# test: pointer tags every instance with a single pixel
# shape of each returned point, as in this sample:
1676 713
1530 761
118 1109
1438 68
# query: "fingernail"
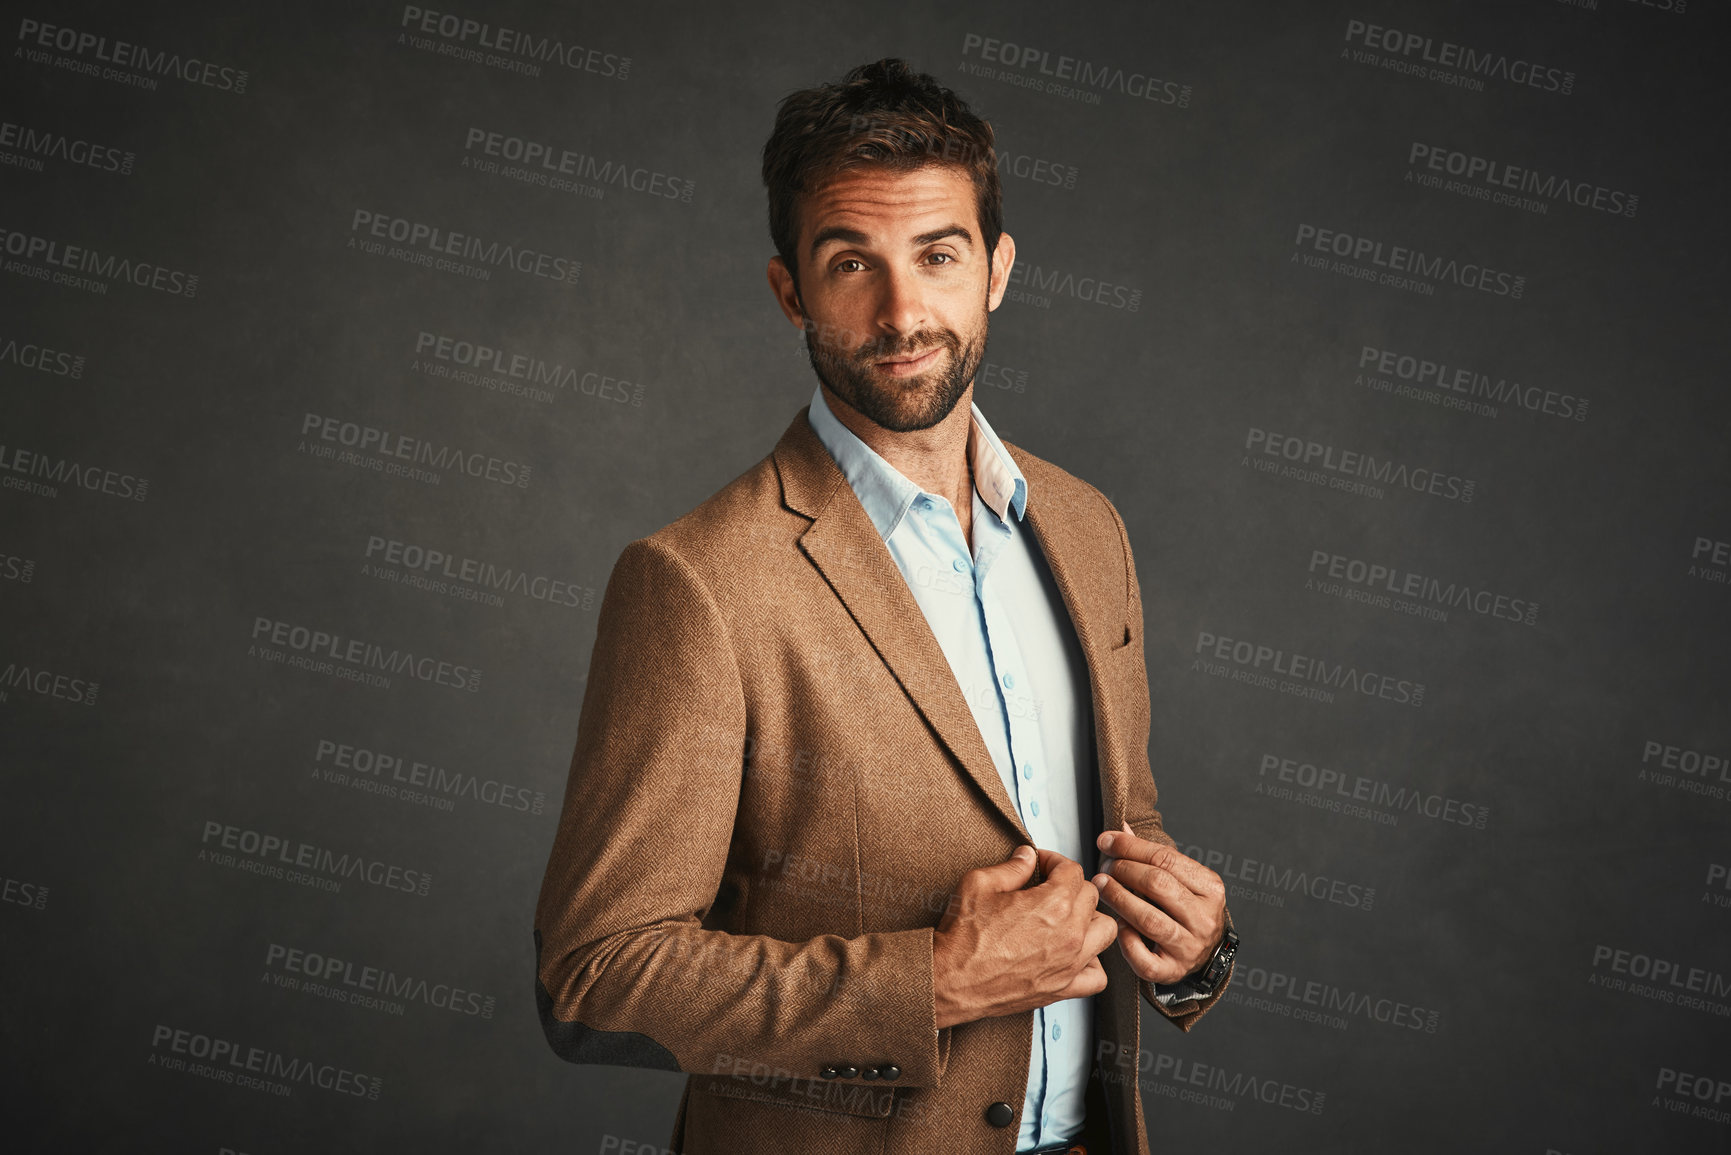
1104 842
1024 852
1100 881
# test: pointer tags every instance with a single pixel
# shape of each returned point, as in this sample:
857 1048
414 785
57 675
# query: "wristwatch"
1208 976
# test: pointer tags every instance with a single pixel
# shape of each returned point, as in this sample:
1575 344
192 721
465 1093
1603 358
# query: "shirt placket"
1030 777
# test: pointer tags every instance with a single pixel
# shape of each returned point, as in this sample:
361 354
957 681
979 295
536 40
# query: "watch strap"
1205 979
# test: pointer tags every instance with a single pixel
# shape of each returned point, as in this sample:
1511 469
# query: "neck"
935 459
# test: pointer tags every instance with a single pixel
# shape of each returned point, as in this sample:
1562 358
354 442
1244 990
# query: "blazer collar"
845 546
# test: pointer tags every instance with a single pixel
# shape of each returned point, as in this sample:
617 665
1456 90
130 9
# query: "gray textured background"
114 926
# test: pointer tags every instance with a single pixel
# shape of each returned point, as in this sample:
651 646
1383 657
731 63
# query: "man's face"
894 290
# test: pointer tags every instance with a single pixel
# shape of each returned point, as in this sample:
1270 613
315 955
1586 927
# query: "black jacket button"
869 1073
1000 1115
829 1072
891 1071
849 1072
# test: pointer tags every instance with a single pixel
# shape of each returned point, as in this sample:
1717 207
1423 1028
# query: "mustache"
914 345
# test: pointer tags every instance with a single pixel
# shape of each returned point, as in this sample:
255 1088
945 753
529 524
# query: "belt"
1076 1147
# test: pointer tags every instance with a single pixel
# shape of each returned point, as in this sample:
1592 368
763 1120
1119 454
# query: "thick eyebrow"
855 237
940 234
836 233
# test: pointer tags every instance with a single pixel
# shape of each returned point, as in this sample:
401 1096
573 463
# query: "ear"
1003 258
786 292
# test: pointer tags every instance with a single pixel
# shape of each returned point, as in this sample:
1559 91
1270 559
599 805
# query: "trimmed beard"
901 405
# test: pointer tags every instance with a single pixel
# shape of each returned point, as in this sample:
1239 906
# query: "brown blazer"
777 784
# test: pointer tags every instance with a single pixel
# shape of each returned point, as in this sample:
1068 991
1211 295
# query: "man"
853 725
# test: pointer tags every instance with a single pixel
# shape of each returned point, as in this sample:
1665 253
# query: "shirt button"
926 503
1028 770
1035 805
1009 681
959 566
1057 1032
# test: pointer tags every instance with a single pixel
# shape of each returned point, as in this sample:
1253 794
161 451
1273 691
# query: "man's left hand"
1161 896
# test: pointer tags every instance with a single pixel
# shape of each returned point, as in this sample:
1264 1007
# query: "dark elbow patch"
576 1043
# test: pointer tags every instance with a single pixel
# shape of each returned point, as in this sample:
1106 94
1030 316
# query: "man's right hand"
1001 949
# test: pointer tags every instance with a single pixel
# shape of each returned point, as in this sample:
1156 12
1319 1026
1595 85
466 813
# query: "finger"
1104 842
1102 929
1196 877
1159 887
1090 980
1144 917
1011 874
1105 904
1153 967
1051 860
1185 869
1127 843
1060 869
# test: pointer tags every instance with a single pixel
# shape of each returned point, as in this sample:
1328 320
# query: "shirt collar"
887 494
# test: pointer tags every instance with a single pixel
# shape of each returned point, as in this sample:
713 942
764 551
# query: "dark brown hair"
879 114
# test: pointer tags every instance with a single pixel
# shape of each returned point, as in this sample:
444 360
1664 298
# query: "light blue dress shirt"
1001 622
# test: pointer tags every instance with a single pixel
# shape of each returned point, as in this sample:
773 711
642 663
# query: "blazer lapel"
844 545
1063 547
1068 549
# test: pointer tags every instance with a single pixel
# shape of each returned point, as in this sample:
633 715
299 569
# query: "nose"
901 306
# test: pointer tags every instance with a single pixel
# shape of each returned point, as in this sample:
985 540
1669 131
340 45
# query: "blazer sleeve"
627 972
1145 816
